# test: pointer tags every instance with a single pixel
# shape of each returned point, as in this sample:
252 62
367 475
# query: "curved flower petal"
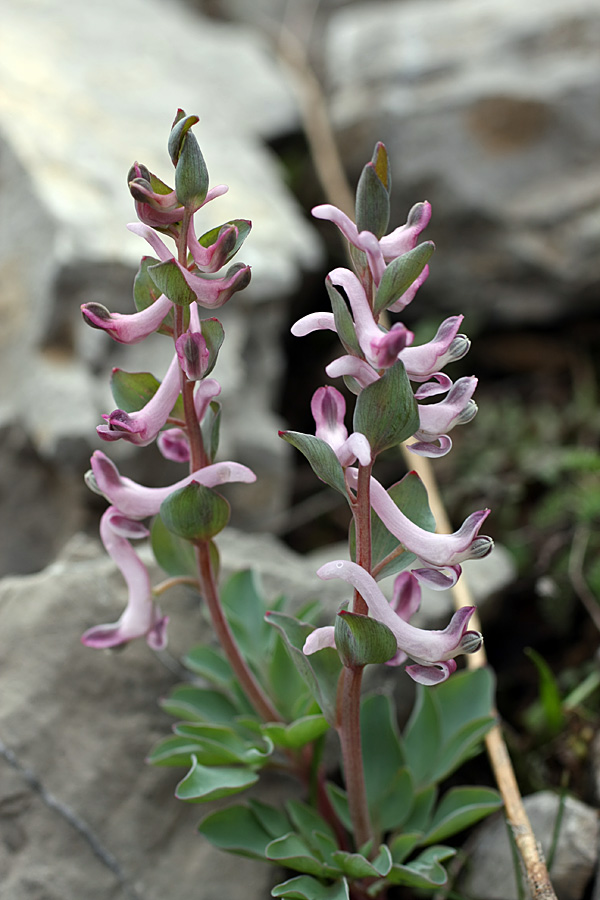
139 502
319 321
425 360
141 617
404 238
356 368
343 222
127 328
409 295
143 426
174 445
319 639
430 675
438 550
356 447
457 408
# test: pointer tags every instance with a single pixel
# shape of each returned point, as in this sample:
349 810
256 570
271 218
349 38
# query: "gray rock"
486 112
81 815
490 873
85 92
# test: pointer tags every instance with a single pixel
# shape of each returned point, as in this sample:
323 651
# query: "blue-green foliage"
225 745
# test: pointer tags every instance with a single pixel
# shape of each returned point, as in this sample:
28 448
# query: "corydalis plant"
276 684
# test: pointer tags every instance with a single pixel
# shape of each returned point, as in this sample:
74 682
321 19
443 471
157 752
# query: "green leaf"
382 751
356 866
464 744
173 751
339 801
237 829
288 688
344 324
195 704
403 845
214 335
145 292
210 664
243 227
397 804
307 822
386 411
299 733
464 705
292 851
191 174
361 640
400 274
203 783
179 130
320 671
550 698
382 166
372 202
273 820
221 745
195 512
169 279
421 811
303 887
172 553
211 428
425 871
321 457
422 736
458 809
244 605
132 390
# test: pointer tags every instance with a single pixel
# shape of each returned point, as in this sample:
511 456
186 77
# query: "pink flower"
142 427
389 247
425 360
436 419
138 502
329 408
210 292
141 617
127 328
434 652
441 554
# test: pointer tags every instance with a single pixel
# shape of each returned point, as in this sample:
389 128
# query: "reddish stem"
348 699
348 728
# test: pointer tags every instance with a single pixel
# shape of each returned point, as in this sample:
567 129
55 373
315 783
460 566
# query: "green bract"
361 640
169 280
386 411
195 512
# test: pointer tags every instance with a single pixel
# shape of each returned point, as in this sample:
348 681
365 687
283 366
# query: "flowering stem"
348 700
348 729
208 584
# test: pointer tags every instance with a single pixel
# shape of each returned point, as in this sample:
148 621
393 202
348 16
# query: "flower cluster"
389 269
170 290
